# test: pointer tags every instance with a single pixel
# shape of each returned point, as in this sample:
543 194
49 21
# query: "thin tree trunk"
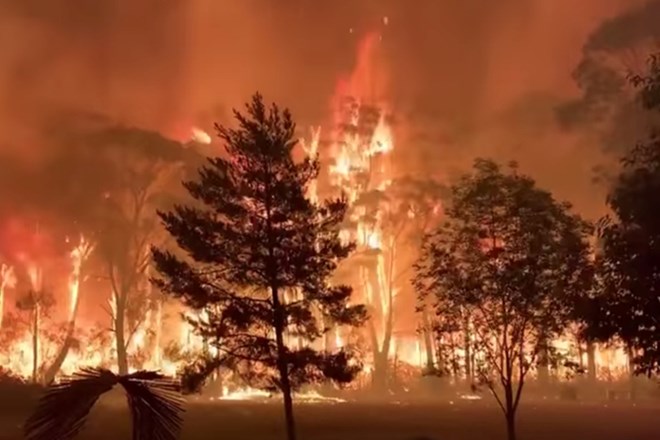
510 411
428 340
2 305
35 344
283 367
543 367
55 367
120 339
591 361
467 347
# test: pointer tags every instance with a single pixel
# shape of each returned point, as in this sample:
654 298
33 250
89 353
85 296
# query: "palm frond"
156 405
63 410
154 401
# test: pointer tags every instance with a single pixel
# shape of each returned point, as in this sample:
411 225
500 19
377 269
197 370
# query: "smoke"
616 49
626 30
465 78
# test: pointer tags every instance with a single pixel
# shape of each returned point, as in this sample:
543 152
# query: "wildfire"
247 393
199 135
7 280
78 256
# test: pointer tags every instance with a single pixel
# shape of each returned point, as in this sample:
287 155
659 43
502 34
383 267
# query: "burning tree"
7 280
143 164
361 171
260 256
505 267
36 304
79 255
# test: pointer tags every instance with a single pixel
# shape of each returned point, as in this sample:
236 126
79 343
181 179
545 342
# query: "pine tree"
258 258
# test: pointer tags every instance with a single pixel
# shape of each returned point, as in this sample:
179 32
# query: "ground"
461 420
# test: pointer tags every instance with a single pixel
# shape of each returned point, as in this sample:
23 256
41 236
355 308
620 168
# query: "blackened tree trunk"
35 342
511 426
120 337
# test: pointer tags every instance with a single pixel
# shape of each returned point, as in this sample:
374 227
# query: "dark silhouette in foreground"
256 254
154 402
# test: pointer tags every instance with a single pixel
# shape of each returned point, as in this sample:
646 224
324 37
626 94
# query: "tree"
503 266
399 216
144 163
154 403
258 256
628 305
37 304
79 254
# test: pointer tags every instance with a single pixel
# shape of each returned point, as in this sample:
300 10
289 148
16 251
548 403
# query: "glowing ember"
251 394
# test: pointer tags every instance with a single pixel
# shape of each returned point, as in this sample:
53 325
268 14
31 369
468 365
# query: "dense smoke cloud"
466 78
626 30
616 49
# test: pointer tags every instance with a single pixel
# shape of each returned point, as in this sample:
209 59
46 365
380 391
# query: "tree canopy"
504 268
256 255
628 304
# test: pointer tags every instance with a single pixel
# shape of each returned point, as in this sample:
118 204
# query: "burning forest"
389 240
129 326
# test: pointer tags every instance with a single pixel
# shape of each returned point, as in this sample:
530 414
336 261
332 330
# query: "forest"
246 266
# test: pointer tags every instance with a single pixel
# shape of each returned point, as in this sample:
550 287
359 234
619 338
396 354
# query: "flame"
7 280
247 393
78 255
199 135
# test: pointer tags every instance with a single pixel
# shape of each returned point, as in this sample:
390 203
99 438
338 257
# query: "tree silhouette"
154 403
258 258
629 304
503 266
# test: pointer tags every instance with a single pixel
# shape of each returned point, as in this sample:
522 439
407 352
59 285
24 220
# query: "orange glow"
78 256
7 280
199 135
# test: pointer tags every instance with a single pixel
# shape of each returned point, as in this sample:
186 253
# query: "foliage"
628 305
153 401
260 254
505 267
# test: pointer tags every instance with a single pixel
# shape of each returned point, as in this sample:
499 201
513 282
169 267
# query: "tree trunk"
380 375
35 344
543 364
510 425
2 305
591 361
55 367
428 340
543 367
510 409
467 347
120 339
283 367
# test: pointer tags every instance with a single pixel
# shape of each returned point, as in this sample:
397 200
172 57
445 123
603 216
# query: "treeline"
508 267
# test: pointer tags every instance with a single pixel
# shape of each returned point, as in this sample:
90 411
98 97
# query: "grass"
461 420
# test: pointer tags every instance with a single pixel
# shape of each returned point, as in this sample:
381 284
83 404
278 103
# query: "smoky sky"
463 72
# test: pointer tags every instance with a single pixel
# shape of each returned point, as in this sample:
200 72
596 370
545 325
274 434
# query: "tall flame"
7 280
78 255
